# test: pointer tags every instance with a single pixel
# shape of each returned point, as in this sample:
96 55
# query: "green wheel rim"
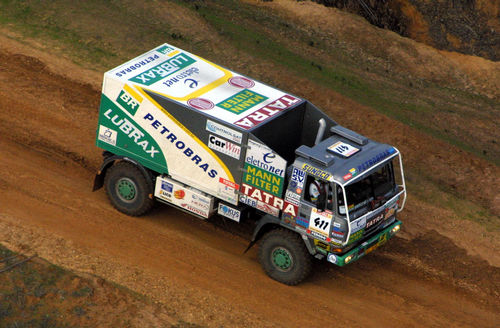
126 190
282 259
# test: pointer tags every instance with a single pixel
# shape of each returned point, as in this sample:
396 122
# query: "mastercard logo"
179 194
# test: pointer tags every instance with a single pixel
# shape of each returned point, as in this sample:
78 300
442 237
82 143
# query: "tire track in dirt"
193 267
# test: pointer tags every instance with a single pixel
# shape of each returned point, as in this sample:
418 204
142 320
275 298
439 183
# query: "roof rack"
349 134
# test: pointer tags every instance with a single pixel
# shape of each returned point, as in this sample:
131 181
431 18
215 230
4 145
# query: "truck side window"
313 190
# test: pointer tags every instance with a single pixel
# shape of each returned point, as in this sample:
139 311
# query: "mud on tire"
284 256
128 189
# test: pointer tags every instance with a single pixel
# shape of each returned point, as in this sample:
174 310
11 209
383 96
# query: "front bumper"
366 247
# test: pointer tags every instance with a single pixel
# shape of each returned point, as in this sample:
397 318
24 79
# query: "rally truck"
178 129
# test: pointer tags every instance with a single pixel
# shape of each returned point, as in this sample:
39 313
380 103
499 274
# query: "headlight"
395 229
348 259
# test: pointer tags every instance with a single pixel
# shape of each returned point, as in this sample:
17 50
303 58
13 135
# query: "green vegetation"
94 33
24 294
40 294
101 34
462 209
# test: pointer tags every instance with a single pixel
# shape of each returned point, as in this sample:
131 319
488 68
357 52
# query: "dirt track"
47 162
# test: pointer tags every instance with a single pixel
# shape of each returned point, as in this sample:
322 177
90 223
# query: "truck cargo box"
202 124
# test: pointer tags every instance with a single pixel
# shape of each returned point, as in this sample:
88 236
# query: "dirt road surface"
195 269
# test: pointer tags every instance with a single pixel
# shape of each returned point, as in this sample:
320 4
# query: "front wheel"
128 189
284 256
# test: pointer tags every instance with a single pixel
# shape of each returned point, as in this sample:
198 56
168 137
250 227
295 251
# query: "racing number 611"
321 224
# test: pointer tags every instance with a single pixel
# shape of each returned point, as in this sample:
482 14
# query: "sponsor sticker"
351 174
266 181
375 159
358 225
356 236
229 212
375 220
161 71
181 146
200 103
298 176
292 197
139 63
166 190
390 211
337 230
187 77
320 221
332 258
129 99
224 131
248 201
267 208
180 195
165 49
166 186
343 149
300 229
337 234
322 244
264 169
134 132
316 234
228 183
263 157
241 101
266 112
303 222
228 191
262 196
200 201
291 209
318 173
288 219
107 135
194 209
224 146
241 82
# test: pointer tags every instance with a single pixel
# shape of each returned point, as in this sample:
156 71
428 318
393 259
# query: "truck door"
316 206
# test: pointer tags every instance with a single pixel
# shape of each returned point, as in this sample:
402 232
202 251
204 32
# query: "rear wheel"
284 256
128 189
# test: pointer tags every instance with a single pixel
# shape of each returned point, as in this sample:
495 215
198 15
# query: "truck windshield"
368 193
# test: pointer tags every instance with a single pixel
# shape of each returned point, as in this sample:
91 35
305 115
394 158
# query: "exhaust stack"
321 131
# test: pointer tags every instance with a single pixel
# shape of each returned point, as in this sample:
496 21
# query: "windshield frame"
366 173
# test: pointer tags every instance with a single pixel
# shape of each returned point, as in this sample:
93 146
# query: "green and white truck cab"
179 129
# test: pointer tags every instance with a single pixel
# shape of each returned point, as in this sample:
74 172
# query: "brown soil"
440 272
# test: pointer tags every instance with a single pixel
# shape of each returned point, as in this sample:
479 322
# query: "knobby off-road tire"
128 189
284 256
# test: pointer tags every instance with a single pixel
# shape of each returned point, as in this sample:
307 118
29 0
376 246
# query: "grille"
373 224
